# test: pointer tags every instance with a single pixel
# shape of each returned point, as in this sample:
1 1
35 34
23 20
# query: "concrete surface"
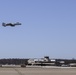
37 71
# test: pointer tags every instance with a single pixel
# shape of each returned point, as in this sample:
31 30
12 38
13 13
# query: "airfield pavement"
37 71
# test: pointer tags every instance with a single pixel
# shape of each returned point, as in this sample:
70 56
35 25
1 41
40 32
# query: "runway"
37 71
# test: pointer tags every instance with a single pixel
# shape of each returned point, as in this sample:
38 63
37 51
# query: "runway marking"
18 71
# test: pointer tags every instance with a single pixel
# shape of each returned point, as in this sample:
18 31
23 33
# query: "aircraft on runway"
10 24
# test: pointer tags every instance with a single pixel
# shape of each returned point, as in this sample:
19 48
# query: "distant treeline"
13 61
58 62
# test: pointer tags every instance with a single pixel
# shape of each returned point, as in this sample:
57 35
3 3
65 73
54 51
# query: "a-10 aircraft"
11 24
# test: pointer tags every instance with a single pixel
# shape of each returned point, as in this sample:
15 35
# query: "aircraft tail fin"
3 24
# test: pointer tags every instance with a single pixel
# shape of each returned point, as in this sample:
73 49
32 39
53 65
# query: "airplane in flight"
10 24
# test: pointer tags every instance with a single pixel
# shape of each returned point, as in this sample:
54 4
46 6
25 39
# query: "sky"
48 29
